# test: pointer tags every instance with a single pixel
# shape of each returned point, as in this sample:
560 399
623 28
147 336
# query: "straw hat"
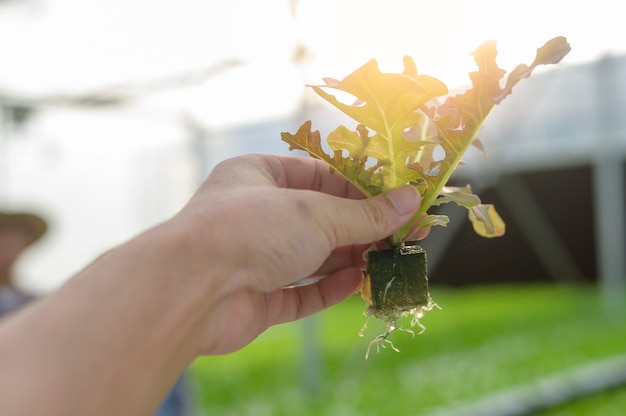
29 223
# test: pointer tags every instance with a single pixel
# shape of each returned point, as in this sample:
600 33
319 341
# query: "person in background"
18 231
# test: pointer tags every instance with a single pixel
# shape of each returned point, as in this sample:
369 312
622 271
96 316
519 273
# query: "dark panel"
564 196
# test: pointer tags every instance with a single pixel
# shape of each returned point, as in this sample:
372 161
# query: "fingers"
347 222
285 172
342 257
290 304
307 173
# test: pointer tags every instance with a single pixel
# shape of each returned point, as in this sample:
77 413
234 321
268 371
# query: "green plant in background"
409 132
471 354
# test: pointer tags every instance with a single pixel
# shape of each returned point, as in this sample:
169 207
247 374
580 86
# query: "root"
390 320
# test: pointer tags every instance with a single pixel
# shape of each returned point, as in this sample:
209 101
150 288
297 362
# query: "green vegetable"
405 136
410 132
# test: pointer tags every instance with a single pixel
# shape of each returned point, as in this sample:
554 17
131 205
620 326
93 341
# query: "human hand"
208 281
260 223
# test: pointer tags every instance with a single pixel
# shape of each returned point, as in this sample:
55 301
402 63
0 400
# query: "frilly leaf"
486 221
550 53
354 169
406 136
434 221
388 100
463 197
478 144
388 105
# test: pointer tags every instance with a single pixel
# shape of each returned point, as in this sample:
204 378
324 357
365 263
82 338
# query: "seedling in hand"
409 131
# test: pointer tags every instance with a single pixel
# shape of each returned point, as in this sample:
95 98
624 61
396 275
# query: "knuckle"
377 214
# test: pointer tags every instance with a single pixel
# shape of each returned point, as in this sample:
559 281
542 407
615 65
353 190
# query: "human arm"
115 337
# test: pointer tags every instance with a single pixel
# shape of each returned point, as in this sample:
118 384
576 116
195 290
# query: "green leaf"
434 220
460 117
404 135
486 221
387 104
550 53
354 169
388 100
463 197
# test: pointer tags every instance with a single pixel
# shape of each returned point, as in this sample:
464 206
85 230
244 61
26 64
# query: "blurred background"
112 113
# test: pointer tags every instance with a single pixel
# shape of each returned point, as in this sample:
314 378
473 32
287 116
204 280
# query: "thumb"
372 219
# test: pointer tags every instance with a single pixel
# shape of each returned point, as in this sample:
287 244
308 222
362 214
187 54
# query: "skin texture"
115 337
13 242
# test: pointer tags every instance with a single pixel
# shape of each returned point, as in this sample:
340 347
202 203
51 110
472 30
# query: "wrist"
196 275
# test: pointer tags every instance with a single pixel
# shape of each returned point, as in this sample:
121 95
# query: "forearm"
113 339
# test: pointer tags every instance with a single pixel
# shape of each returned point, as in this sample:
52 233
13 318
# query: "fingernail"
404 200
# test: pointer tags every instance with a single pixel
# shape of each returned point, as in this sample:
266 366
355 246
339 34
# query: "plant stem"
440 181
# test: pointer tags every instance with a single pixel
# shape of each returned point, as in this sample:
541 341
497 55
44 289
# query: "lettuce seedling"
410 132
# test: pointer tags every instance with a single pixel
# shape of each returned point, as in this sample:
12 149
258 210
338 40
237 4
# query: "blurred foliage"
611 402
483 340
